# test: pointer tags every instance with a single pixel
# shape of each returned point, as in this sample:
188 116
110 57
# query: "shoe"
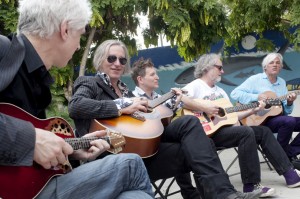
265 191
239 195
293 180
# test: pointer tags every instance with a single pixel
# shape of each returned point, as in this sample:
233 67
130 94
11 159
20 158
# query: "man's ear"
64 32
139 78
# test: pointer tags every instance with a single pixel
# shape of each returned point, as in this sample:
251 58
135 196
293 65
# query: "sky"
139 38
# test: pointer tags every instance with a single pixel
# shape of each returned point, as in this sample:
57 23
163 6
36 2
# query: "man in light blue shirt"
258 87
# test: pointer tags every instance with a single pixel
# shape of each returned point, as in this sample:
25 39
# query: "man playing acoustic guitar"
48 34
208 71
269 85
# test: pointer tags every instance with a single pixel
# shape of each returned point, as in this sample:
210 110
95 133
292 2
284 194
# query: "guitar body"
27 182
35 177
33 180
210 123
142 137
260 117
56 125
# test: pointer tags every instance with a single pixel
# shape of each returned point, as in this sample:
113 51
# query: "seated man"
184 147
49 33
269 85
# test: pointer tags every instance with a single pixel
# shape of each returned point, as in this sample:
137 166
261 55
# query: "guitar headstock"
116 140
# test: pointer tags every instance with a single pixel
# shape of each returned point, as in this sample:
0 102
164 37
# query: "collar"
33 62
32 59
264 76
121 85
142 93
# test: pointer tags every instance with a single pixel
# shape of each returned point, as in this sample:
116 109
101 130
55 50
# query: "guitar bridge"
137 116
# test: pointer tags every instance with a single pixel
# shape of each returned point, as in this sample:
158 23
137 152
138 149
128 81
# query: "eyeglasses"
113 58
219 67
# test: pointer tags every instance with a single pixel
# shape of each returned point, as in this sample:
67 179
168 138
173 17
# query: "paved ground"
269 178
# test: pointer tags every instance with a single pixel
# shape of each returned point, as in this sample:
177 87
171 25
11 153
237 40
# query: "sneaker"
294 180
265 191
239 195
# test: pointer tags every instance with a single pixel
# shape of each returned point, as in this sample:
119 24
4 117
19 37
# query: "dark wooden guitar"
28 181
261 116
142 131
227 114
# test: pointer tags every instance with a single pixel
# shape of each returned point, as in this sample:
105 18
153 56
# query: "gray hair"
102 52
204 63
269 58
43 17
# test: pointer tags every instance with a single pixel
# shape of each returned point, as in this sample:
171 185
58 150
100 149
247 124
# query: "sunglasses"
219 67
113 58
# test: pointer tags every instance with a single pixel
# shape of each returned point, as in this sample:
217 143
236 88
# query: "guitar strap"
12 54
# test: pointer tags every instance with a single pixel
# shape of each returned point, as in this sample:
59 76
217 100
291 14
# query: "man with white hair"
49 33
258 87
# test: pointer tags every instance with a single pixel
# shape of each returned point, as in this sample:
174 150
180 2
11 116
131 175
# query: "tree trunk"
86 51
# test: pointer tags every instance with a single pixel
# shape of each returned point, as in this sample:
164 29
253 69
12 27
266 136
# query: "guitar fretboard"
155 102
284 97
242 107
84 142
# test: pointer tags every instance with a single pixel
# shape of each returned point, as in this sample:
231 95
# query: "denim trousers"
284 126
115 176
185 147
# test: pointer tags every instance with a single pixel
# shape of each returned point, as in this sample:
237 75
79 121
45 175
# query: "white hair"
43 18
269 58
204 63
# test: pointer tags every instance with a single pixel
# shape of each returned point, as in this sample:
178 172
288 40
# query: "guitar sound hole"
221 112
267 106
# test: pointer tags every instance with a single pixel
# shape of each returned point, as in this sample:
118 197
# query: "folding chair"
158 188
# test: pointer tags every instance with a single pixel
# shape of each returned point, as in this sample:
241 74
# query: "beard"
218 79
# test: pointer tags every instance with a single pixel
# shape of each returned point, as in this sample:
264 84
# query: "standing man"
48 34
255 87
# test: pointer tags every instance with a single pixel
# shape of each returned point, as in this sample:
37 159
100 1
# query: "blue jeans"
115 176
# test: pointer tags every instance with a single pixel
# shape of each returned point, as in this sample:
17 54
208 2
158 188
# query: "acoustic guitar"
142 131
261 116
28 181
227 114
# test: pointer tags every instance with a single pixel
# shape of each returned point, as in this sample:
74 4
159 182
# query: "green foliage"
191 25
8 17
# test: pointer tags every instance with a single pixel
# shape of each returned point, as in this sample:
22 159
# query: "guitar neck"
241 107
284 97
84 142
156 102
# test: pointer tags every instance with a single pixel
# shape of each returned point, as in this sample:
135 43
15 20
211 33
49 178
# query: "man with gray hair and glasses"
49 33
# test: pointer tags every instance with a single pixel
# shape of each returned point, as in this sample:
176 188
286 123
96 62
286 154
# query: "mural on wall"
174 72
